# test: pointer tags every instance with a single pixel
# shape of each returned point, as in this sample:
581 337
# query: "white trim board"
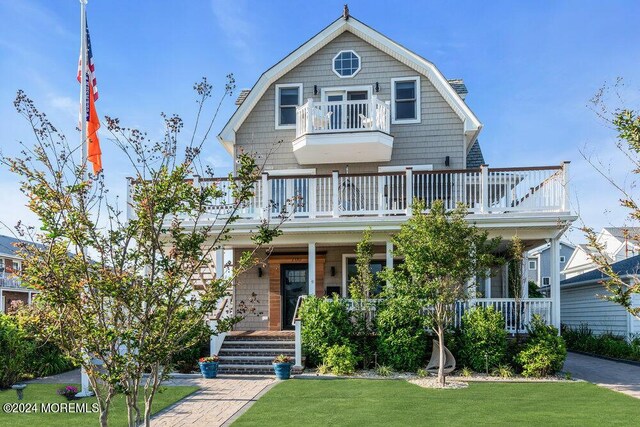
472 125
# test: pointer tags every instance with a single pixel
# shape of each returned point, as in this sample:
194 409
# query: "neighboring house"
365 127
618 244
539 263
581 304
12 291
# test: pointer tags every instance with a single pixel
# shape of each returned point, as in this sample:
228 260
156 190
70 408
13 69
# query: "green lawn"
46 393
396 402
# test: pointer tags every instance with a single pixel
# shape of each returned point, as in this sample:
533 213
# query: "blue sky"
530 67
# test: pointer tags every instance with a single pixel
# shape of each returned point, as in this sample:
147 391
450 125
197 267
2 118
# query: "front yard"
46 393
397 402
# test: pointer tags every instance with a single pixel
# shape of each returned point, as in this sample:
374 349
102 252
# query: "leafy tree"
443 255
118 295
625 122
516 265
361 288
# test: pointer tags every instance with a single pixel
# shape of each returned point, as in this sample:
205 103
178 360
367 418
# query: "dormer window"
288 97
346 64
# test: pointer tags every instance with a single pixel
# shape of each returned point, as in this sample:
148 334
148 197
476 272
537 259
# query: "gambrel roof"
472 125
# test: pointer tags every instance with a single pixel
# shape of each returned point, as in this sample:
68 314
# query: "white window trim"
542 282
333 64
277 103
344 268
535 264
418 118
416 168
345 89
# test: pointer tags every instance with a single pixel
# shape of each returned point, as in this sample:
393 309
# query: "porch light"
377 87
333 271
259 271
315 89
446 161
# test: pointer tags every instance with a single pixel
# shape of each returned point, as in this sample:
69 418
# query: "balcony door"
347 108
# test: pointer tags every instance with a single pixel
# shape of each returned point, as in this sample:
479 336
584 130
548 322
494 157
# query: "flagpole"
84 378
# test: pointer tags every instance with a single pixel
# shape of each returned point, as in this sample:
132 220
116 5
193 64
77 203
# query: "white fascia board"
472 125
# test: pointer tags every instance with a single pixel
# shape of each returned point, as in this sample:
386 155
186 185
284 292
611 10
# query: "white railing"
517 315
482 191
8 280
343 116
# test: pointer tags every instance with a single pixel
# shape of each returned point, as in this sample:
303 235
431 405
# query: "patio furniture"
434 362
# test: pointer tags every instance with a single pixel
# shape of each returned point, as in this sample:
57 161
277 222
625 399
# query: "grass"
46 393
354 402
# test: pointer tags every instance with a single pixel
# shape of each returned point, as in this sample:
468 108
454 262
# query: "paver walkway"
622 377
217 403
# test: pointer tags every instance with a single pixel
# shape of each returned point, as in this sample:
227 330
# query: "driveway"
617 376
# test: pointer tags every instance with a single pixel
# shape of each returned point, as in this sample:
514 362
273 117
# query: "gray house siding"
440 133
543 264
580 305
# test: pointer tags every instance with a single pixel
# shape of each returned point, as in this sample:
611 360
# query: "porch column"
29 299
1 302
389 254
555 282
312 268
220 262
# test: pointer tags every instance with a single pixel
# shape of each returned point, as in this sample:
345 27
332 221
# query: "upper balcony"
343 132
486 192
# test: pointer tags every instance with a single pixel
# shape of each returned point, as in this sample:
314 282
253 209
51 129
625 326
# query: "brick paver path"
621 377
217 402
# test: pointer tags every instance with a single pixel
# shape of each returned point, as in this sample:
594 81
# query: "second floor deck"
490 191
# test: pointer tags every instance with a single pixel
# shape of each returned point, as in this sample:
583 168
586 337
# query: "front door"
295 283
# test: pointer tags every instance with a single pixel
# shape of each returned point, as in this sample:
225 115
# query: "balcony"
343 132
484 191
8 280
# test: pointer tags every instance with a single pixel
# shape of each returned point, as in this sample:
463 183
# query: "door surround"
275 297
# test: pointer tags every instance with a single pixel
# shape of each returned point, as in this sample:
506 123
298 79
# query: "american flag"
91 69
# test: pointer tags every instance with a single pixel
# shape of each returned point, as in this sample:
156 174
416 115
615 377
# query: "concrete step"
251 369
259 344
255 351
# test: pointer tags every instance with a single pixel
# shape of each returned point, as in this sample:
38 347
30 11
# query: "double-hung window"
288 97
405 105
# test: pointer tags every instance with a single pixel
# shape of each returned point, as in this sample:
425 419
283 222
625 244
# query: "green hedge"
608 344
483 339
544 351
325 323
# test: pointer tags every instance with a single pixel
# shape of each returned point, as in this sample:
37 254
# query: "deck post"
1 302
374 112
219 262
298 343
484 188
312 268
389 255
409 191
309 115
565 186
311 201
555 282
265 195
335 188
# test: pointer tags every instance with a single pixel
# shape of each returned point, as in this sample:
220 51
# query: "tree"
443 255
361 288
626 123
119 295
516 265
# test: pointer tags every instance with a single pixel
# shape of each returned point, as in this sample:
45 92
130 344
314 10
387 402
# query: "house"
581 304
366 126
618 243
539 263
12 291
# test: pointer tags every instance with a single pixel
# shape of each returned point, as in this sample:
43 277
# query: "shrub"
383 370
402 340
422 373
544 352
503 371
197 344
325 323
483 339
466 372
340 360
15 348
607 344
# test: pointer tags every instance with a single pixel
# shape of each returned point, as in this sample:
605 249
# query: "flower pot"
208 369
283 370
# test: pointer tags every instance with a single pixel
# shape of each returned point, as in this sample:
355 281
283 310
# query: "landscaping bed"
47 394
355 402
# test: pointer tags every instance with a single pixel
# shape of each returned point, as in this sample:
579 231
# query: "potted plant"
209 366
69 392
282 367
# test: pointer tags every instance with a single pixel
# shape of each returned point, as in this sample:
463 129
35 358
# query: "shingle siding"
581 305
440 133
